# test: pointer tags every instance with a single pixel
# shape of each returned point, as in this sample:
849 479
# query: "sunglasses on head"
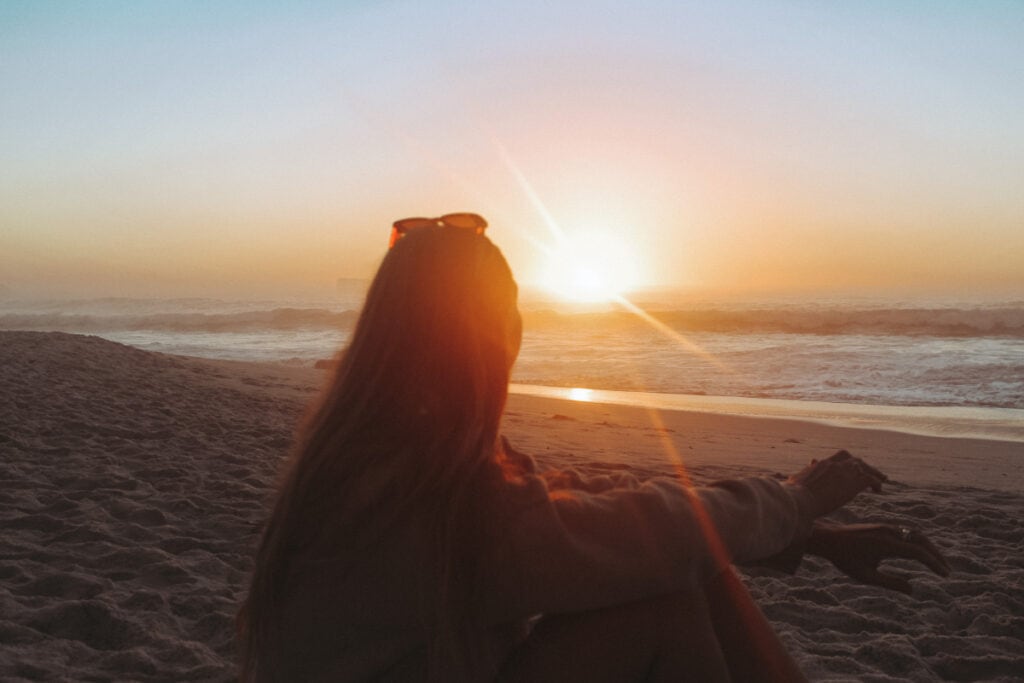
465 221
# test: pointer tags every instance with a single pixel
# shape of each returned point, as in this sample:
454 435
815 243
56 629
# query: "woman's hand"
857 550
835 481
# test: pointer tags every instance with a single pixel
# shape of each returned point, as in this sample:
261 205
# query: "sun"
590 266
579 282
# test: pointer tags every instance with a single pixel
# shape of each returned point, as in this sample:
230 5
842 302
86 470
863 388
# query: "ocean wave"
276 319
1007 321
936 322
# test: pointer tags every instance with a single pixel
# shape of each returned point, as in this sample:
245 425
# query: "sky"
251 148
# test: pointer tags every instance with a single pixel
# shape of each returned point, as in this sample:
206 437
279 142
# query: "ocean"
858 352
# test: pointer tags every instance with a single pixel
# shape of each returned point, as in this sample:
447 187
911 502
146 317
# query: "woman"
409 542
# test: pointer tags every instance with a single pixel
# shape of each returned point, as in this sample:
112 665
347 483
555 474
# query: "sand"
133 484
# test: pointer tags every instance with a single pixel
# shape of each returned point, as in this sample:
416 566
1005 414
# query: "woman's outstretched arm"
565 551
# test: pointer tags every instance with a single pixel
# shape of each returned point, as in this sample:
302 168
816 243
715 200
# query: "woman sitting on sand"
409 542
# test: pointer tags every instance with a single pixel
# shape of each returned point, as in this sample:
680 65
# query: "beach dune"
133 485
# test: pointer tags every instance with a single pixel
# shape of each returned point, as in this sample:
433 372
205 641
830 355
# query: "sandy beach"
133 485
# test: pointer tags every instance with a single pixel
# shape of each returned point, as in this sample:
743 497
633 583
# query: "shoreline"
719 445
978 422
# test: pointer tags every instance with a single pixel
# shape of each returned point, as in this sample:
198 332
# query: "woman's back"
357 615
383 502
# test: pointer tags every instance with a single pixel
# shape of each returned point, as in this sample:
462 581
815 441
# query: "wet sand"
133 484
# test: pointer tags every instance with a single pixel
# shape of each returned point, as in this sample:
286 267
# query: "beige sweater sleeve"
574 550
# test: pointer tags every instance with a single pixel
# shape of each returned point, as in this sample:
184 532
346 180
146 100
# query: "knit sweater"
571 544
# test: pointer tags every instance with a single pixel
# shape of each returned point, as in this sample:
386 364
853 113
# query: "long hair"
406 430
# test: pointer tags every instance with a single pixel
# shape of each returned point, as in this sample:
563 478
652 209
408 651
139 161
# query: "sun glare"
581 394
590 267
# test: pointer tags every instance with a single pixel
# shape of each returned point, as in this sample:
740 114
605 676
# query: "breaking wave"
276 319
1006 321
936 322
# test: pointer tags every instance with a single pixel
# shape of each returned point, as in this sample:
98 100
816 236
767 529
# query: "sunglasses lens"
464 220
407 224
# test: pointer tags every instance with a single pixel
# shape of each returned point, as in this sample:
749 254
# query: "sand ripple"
132 485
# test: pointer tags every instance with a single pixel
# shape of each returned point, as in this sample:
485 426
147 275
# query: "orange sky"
754 146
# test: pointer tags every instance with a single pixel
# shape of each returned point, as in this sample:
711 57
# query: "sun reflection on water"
581 394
